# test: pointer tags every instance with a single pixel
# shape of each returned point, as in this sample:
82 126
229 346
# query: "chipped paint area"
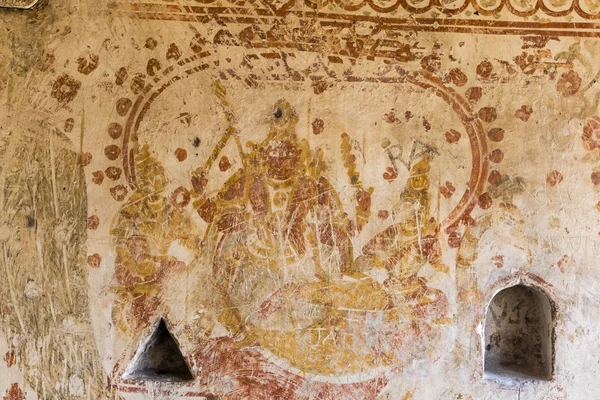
311 201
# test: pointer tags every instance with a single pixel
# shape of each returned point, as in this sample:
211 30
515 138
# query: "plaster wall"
320 199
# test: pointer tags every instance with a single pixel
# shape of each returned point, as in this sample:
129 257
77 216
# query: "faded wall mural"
302 200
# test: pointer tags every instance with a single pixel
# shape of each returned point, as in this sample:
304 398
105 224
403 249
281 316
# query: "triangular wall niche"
159 359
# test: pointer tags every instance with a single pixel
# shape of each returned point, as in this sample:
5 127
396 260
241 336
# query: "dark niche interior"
159 359
519 336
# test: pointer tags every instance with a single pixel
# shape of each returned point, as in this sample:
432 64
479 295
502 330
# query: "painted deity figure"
277 224
283 259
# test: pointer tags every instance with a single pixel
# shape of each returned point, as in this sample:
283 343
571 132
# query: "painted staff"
199 179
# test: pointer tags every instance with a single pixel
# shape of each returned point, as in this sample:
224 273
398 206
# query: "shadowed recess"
159 359
518 334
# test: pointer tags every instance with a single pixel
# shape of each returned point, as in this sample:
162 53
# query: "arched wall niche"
518 340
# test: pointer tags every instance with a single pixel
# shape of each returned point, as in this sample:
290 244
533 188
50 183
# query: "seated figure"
283 259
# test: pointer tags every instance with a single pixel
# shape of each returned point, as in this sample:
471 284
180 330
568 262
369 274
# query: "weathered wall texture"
320 199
